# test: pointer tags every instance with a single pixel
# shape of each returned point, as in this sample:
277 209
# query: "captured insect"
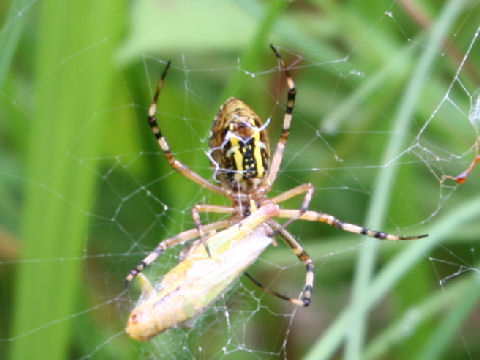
245 172
191 286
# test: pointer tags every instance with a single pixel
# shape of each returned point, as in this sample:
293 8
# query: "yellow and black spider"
245 171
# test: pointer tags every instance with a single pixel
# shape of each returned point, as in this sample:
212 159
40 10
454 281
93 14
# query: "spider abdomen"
239 146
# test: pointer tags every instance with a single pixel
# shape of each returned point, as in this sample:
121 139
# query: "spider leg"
287 119
196 209
162 142
174 240
333 221
307 188
302 255
270 291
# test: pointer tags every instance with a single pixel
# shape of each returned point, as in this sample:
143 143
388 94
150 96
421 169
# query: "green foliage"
85 192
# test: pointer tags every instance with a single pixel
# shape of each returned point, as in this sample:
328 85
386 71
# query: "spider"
245 172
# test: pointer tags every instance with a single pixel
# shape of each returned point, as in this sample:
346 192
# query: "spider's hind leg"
287 119
163 144
298 250
167 243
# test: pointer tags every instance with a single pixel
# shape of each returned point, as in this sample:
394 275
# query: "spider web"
344 116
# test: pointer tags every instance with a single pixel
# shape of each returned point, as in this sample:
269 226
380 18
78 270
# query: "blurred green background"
387 104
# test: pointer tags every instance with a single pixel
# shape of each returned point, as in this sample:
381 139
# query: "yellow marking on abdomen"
238 157
257 154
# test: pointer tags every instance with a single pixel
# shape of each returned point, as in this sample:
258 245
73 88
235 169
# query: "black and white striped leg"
333 221
302 255
308 189
162 142
287 120
174 240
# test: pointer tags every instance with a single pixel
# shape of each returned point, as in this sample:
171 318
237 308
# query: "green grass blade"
10 34
449 326
59 194
394 271
383 188
403 328
268 16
